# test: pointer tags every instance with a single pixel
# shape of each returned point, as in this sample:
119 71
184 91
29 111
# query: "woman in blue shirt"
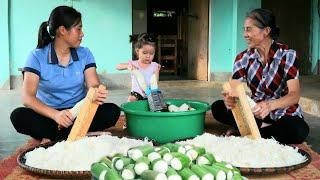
57 75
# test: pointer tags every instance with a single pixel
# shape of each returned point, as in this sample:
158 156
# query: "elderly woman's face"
253 34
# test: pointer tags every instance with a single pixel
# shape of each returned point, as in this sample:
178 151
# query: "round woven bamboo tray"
52 173
87 174
276 170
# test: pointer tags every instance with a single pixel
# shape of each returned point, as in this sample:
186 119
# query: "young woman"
57 75
145 47
271 71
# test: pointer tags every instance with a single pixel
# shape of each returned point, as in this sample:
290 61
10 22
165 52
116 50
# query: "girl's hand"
131 66
100 96
229 101
63 118
262 109
132 98
158 68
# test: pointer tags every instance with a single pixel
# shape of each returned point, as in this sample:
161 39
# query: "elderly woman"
271 71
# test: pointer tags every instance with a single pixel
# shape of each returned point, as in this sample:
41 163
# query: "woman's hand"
100 96
92 80
262 109
63 118
229 101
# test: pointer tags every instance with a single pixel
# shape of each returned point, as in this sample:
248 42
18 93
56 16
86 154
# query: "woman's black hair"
265 18
60 16
139 40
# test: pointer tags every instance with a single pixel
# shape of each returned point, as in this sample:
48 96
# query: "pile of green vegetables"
167 162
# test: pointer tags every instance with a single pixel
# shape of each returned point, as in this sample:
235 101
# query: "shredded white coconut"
245 152
79 155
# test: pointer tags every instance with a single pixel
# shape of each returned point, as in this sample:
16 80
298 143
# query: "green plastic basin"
164 127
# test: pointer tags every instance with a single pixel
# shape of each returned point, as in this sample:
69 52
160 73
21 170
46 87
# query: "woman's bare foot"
98 133
231 132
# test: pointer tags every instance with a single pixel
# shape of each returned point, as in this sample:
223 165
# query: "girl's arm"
157 71
122 66
29 90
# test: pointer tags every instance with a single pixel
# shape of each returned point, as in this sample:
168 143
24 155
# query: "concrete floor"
204 91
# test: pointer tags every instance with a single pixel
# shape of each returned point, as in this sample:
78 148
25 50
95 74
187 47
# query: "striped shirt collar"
254 54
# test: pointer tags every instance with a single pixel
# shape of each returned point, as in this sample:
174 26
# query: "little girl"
144 47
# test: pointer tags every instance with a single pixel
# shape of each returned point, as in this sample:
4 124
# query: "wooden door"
198 37
296 31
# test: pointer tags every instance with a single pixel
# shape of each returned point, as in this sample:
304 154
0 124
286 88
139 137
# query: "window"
164 13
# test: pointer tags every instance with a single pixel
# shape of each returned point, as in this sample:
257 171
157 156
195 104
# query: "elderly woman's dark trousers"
286 130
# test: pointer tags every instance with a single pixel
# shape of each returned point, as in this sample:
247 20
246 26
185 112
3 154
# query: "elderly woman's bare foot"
124 125
45 140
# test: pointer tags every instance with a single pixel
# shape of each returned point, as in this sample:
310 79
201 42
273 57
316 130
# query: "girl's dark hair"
265 18
60 16
139 40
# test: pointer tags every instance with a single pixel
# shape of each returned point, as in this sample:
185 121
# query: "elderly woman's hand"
229 101
262 109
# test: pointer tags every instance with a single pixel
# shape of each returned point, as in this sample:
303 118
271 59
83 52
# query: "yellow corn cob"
85 117
141 81
76 108
154 82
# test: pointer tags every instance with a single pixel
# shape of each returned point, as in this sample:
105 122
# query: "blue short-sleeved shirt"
59 86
